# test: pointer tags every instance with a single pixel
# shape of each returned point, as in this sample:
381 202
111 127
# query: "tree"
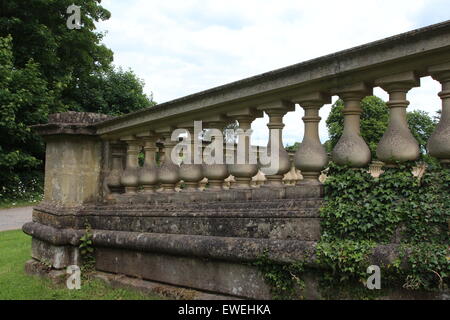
73 62
66 58
293 148
24 100
422 127
112 92
374 121
48 68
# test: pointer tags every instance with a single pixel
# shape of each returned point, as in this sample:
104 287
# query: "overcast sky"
179 47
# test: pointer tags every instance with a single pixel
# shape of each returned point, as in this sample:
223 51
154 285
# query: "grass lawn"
18 204
29 200
15 248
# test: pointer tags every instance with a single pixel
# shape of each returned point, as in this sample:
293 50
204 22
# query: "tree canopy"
45 67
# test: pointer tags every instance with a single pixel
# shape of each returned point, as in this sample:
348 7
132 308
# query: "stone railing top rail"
411 51
71 123
81 118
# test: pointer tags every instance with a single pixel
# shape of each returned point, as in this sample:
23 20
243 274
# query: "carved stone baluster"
311 157
242 169
439 143
216 173
190 170
113 181
130 177
148 177
168 172
397 143
275 171
351 148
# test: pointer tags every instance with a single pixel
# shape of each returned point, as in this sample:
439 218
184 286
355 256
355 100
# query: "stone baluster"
168 172
242 169
130 176
148 176
216 173
398 144
311 157
113 181
191 170
351 148
159 152
276 111
439 143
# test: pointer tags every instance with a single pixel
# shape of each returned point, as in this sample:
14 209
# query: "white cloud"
181 47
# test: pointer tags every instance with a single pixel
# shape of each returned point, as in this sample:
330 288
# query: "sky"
180 47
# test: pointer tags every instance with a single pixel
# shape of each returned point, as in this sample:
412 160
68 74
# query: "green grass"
15 284
17 204
30 200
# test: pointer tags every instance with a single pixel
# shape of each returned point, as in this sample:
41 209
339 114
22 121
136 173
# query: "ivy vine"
361 212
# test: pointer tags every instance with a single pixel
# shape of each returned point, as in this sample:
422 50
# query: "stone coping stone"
278 222
211 247
225 196
71 123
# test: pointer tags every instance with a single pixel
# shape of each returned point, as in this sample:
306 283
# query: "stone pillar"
276 111
397 143
311 157
148 173
439 143
243 172
351 148
190 172
118 151
168 172
216 173
130 177
73 158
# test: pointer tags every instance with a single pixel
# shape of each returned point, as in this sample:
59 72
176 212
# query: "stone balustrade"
158 206
397 144
350 75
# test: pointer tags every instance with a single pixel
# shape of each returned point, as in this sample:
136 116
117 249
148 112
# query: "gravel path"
14 218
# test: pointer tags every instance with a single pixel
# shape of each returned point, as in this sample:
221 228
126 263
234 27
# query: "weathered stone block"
57 256
213 276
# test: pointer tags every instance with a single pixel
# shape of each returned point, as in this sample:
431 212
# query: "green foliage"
24 100
87 252
427 208
66 57
360 213
429 266
47 68
284 279
114 92
348 259
293 148
422 127
343 264
374 121
359 207
21 188
74 63
396 206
